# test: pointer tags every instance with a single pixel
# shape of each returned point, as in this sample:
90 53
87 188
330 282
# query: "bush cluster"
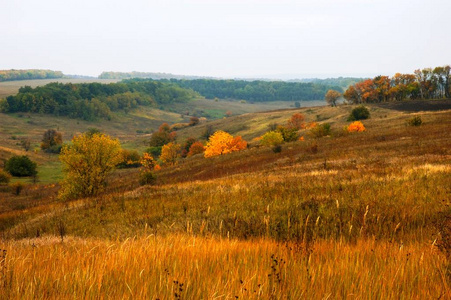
359 113
21 166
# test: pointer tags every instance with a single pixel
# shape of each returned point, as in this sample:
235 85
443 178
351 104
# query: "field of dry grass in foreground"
359 216
189 267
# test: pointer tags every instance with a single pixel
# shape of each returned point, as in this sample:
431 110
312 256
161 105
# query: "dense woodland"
256 91
89 101
9 75
423 84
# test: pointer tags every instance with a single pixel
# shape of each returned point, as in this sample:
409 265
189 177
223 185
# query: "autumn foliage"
196 148
87 163
356 126
332 96
222 143
297 121
271 138
170 153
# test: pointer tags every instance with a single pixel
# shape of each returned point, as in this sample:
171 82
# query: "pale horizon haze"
227 38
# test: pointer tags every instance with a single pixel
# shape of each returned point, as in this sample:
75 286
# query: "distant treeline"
9 75
144 75
343 82
90 101
423 84
256 91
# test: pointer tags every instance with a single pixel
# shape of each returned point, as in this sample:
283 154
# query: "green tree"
87 164
21 166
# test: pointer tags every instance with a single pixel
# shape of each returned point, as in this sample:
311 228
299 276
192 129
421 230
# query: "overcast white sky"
226 38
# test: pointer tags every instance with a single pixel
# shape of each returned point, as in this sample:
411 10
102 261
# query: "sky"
226 38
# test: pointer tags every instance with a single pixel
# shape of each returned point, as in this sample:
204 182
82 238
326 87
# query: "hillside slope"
362 214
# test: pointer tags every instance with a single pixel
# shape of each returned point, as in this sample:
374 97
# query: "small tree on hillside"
170 153
51 141
87 164
331 97
222 143
296 121
271 138
196 148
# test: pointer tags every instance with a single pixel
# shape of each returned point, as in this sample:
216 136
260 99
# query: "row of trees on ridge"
424 84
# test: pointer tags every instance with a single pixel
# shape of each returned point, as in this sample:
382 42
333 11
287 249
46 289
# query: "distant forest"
10 75
90 101
343 82
145 75
256 91
427 83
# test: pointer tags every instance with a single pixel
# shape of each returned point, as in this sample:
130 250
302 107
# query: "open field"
352 215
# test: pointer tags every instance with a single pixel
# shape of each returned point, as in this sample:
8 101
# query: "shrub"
4 177
415 121
359 113
321 130
196 148
51 141
147 178
356 126
193 121
130 159
154 151
271 138
187 145
288 134
277 149
56 149
296 121
21 166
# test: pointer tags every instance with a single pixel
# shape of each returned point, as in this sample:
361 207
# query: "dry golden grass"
359 218
200 268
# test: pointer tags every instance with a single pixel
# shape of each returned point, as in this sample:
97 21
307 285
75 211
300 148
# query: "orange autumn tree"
222 143
196 148
356 126
297 121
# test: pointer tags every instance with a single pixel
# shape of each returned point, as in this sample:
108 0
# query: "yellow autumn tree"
170 153
222 143
87 162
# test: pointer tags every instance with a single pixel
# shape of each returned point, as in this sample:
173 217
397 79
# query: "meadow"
352 215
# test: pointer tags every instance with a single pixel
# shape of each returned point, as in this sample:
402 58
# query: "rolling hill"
337 213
